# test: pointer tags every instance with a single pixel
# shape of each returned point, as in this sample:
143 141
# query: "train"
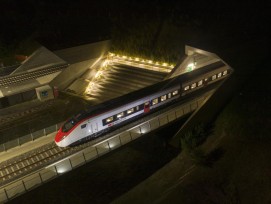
101 118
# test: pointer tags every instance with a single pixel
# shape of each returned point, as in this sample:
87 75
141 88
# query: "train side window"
200 83
169 95
206 79
213 77
120 115
175 93
137 108
108 120
155 101
219 75
225 72
193 85
163 98
83 126
130 111
186 88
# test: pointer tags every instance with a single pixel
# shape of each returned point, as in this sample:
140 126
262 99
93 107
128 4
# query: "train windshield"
69 125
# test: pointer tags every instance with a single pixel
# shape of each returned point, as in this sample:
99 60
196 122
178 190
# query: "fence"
29 137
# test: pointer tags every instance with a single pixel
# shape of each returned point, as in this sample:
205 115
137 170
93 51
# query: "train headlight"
63 137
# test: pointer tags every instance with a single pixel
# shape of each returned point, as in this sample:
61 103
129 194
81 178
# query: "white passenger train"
101 118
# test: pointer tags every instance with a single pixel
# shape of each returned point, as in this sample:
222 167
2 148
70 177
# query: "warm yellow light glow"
186 88
113 145
98 74
144 130
62 169
144 63
120 115
90 87
105 63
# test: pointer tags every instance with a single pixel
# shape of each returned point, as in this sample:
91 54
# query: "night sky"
59 24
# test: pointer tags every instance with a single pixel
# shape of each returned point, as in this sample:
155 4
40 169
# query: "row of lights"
141 60
100 72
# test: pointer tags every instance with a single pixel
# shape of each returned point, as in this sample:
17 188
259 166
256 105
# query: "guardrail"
90 153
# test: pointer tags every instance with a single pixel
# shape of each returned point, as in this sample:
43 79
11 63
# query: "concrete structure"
45 93
81 59
194 59
44 67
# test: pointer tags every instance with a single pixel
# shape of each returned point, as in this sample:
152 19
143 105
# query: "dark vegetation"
237 150
190 145
153 29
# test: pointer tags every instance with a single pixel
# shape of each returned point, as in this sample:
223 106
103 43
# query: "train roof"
127 98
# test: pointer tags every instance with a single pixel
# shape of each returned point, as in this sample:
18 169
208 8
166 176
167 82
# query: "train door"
94 126
146 107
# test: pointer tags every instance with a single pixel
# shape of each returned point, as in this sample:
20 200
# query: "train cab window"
130 111
108 120
186 88
155 101
200 83
213 77
163 98
225 72
69 125
83 126
169 95
120 115
175 93
219 75
193 85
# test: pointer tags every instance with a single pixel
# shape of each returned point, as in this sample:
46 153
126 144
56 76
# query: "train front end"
64 135
61 139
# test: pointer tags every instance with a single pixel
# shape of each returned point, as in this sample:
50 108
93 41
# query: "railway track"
24 164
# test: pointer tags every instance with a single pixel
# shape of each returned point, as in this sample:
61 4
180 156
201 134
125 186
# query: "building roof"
40 59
